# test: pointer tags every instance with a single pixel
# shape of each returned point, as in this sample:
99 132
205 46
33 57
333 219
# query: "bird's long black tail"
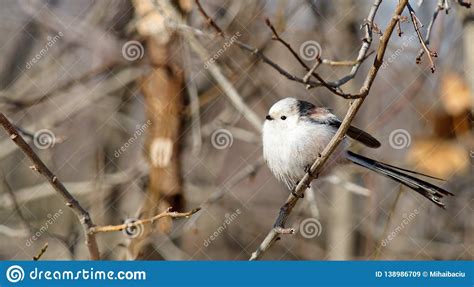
403 176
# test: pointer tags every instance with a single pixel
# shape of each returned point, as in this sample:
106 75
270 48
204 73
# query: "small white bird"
295 133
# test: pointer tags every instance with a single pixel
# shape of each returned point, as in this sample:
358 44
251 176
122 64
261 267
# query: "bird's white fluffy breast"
289 149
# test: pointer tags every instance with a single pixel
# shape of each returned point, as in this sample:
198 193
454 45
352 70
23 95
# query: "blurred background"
140 105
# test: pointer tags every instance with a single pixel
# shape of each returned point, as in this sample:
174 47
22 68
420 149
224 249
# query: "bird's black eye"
283 117
268 117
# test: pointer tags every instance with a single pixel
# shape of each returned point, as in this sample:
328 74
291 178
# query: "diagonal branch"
71 202
317 166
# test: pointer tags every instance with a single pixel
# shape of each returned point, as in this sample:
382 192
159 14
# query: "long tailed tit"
296 132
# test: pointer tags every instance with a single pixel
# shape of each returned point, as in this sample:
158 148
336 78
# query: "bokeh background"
118 99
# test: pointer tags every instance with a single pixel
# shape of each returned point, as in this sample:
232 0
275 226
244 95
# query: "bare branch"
120 227
416 25
366 42
257 53
439 7
330 87
41 252
317 166
71 202
209 20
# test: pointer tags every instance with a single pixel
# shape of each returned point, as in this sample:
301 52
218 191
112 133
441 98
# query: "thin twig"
439 7
416 25
346 63
364 49
71 202
41 252
209 20
257 53
120 227
277 37
333 89
317 166
311 71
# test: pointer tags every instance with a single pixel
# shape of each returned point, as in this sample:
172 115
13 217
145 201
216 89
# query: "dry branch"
416 25
439 7
286 209
168 213
41 252
334 87
71 202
